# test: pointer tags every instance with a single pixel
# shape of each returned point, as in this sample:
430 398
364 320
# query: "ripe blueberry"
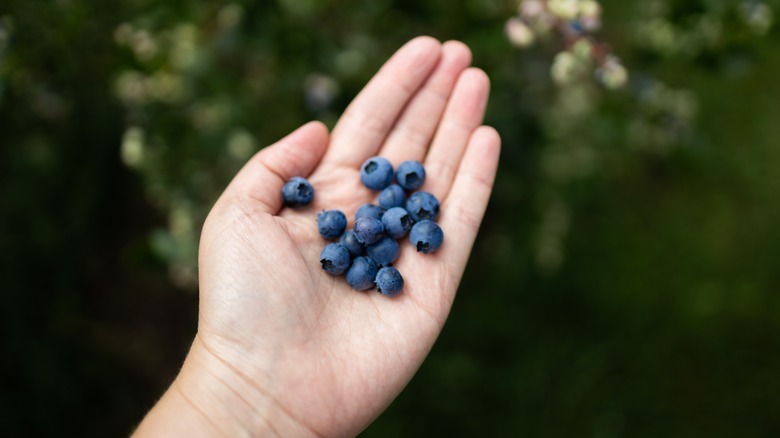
410 175
422 206
392 196
331 223
297 192
389 281
368 230
383 252
397 222
426 236
376 173
362 273
334 259
349 240
371 210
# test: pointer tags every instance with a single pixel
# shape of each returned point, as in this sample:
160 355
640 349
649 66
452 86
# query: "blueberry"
383 252
368 230
331 223
422 206
334 259
297 192
371 210
397 222
426 236
392 196
376 173
362 273
349 240
410 175
389 281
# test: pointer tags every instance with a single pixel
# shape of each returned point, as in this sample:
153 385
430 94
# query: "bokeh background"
625 281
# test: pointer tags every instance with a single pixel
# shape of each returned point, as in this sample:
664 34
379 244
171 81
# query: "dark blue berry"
410 175
397 222
376 173
383 252
392 196
368 230
422 206
331 223
371 210
576 26
297 192
334 259
362 273
426 236
349 240
389 281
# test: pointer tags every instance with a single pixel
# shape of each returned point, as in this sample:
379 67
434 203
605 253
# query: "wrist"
211 397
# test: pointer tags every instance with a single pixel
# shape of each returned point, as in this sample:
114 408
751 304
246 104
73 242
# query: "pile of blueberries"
366 252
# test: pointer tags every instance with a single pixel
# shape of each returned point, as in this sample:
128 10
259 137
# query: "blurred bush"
627 280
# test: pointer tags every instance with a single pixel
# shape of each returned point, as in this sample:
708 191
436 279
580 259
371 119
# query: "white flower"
530 9
590 15
518 33
564 67
757 15
612 74
565 9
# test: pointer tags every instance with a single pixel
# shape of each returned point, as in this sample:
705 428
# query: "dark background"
625 281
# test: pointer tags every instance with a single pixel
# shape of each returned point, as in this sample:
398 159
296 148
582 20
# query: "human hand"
282 347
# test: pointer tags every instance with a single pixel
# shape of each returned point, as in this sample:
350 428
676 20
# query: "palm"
339 356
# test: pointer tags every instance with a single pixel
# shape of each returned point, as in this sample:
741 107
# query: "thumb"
262 177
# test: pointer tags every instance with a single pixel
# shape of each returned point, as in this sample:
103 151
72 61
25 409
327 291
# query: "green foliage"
624 282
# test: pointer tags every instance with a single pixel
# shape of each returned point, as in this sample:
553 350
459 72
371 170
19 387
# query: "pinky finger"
465 205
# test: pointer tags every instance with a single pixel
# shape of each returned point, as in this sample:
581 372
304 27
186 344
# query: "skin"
284 349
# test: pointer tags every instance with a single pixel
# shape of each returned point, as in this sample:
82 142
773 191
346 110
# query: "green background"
633 294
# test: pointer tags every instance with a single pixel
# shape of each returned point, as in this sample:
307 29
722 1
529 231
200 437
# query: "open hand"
282 347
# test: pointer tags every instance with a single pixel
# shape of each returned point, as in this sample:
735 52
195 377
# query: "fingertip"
488 138
469 98
476 78
316 124
314 133
457 50
299 152
482 153
420 48
422 51
424 41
